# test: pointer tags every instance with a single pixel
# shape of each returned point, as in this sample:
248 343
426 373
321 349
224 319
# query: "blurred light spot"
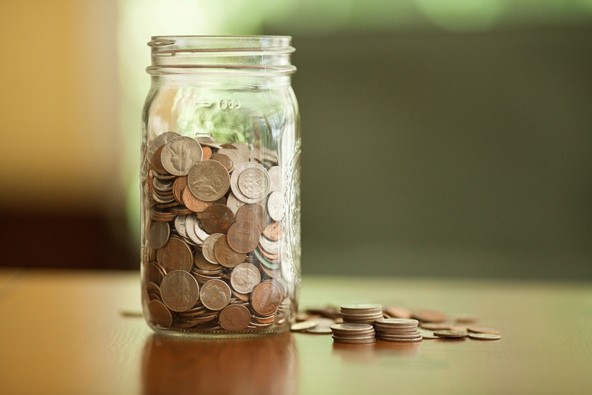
462 15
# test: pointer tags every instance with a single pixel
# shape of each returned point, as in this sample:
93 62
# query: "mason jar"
220 187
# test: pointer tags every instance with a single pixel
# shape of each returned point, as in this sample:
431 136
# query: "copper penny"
215 294
175 255
397 312
225 255
202 263
253 213
435 326
243 236
156 161
266 297
235 318
179 290
154 272
159 314
159 234
178 188
429 316
193 203
273 231
217 219
206 152
447 333
208 181
224 160
245 277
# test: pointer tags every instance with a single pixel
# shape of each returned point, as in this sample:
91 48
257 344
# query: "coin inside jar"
266 297
234 318
175 255
208 181
217 219
243 236
225 255
245 277
180 154
179 290
215 294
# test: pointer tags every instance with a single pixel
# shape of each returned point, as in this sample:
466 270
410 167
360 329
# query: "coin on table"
484 336
450 334
208 247
275 206
435 326
266 297
175 255
159 234
245 277
215 294
243 236
253 213
159 314
180 154
429 315
193 203
217 219
482 329
179 290
225 255
302 326
208 181
235 318
397 312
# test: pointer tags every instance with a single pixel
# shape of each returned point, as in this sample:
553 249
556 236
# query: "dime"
482 329
253 213
243 236
208 247
217 219
323 326
235 318
215 295
266 297
245 277
193 203
159 234
175 255
180 225
179 290
180 154
208 181
191 229
484 336
253 181
159 314
275 206
225 255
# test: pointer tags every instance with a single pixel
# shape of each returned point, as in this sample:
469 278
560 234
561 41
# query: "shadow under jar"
220 187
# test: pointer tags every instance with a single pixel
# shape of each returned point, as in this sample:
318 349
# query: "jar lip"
221 43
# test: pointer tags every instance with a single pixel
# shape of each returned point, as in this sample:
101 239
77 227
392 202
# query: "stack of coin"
353 333
212 256
361 313
397 330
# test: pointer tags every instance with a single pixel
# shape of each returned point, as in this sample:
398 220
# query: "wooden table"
63 333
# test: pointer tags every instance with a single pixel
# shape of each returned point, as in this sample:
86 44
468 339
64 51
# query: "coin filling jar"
220 187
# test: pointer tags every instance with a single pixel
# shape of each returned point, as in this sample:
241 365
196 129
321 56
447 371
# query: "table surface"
63 333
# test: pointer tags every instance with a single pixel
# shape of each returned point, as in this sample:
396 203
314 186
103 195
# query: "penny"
224 160
482 329
175 255
450 334
271 247
206 152
266 297
159 234
429 315
178 188
217 219
245 277
159 314
275 176
273 231
484 336
201 263
235 318
179 290
243 236
215 295
253 213
193 203
208 181
397 312
435 326
275 206
225 255
157 161
208 247
180 154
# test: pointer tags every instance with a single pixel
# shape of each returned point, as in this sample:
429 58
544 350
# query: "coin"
266 297
180 154
253 213
217 219
180 225
243 236
302 326
234 203
178 188
225 255
157 161
397 312
215 294
175 255
154 272
245 277
202 264
193 203
253 181
271 247
159 314
435 326
235 318
208 181
273 231
206 152
275 206
179 290
191 229
482 329
275 176
208 247
224 160
450 334
232 155
484 336
429 315
159 234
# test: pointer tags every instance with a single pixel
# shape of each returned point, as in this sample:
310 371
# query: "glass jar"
220 186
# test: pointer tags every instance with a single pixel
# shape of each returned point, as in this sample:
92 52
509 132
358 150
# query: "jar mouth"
176 54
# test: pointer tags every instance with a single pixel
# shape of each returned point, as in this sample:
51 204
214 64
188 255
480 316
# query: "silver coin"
200 232
155 143
275 175
254 181
159 234
245 277
233 203
272 247
180 225
180 154
162 185
190 222
208 247
234 182
207 141
232 155
275 206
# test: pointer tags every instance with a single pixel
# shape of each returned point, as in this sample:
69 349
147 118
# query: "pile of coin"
397 330
350 333
212 258
361 313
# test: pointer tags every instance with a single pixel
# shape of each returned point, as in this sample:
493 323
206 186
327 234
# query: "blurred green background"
440 137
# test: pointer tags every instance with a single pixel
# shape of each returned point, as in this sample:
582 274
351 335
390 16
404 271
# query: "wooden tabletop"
63 333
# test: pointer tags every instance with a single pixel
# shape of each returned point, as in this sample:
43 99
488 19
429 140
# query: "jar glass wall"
220 186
